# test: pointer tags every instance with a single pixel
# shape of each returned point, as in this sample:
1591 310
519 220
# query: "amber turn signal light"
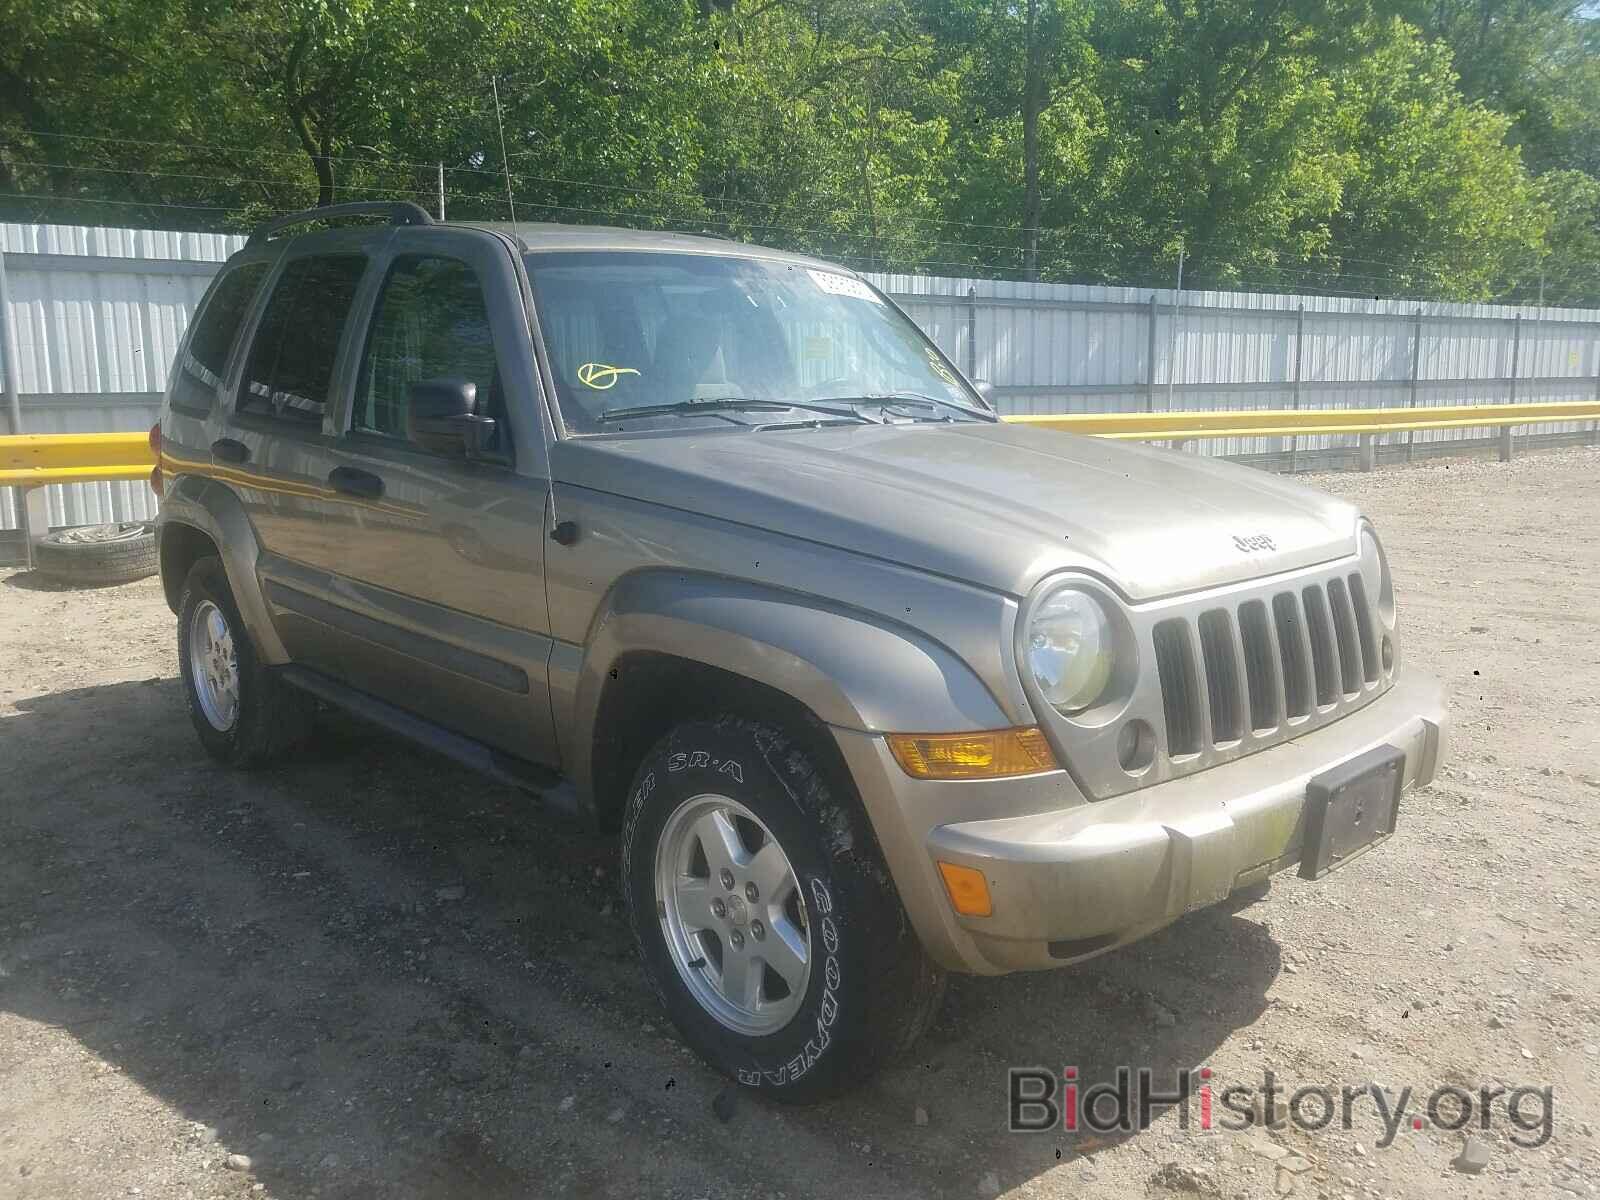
969 890
991 755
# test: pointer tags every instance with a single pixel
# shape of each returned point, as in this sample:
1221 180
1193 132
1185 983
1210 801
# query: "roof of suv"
539 235
533 236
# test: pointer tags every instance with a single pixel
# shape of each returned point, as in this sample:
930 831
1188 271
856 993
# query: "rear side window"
431 323
200 373
290 368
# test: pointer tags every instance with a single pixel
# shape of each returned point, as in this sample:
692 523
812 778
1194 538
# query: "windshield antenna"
505 162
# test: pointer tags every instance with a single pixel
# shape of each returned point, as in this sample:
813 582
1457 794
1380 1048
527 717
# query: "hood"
996 505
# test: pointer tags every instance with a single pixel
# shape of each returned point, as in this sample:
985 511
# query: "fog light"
1136 746
969 890
1388 654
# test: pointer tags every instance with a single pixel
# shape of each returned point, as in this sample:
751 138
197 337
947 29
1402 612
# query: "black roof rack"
400 212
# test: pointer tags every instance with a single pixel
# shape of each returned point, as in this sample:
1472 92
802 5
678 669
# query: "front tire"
244 716
764 913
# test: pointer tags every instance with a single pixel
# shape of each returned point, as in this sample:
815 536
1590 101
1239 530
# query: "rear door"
275 444
430 590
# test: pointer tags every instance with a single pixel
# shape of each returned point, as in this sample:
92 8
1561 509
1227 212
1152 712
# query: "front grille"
1293 651
1261 675
1222 674
1369 647
1258 664
1322 648
1179 695
1344 627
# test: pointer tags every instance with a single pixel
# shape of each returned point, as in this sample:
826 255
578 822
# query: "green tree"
1440 147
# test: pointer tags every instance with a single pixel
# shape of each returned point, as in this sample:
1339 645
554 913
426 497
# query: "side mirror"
985 391
441 416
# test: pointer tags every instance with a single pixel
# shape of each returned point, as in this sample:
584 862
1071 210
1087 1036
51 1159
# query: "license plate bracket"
1351 808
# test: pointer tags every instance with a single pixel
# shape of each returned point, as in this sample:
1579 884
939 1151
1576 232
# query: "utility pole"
1507 439
8 356
1034 95
1299 366
1541 287
1172 341
441 191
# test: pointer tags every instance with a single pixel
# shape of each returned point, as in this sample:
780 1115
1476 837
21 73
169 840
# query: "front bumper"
1070 877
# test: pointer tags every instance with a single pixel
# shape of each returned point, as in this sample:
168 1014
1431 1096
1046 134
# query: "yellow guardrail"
1303 422
30 460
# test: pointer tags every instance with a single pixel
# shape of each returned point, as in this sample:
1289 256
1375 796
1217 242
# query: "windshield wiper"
914 400
708 408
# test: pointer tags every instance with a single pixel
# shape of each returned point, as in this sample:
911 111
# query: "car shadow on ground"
36 581
374 972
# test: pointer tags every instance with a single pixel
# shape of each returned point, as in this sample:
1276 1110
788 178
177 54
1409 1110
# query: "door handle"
355 482
228 450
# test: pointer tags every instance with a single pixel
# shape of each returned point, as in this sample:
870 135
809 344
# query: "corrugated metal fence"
1051 348
95 318
96 315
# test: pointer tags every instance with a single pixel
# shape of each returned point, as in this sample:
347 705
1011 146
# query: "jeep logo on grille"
1249 545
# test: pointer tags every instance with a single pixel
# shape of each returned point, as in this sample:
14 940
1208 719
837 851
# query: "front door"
431 592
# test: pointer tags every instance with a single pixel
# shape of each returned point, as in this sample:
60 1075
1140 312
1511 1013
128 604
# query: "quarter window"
214 333
290 369
431 323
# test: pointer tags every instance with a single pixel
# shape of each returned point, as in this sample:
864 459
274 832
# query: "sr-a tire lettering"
685 760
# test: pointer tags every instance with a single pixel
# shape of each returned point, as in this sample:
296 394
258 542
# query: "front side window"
206 357
290 368
629 331
431 323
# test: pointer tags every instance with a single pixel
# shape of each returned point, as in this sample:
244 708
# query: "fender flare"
849 668
212 508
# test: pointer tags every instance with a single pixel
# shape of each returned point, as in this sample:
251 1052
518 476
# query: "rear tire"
800 1028
244 715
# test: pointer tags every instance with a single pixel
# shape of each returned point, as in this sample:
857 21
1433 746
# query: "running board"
553 788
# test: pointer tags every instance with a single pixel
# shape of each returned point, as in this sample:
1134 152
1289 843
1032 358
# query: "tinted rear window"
291 361
219 323
200 373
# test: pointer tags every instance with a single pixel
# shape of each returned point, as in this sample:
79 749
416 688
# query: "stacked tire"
97 555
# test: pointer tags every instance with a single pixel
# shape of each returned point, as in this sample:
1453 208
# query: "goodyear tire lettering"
827 1010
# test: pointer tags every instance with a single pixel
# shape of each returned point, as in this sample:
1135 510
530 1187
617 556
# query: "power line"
226 208
887 264
1331 249
377 191
1078 257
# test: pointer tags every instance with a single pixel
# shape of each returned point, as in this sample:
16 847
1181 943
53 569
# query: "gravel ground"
375 974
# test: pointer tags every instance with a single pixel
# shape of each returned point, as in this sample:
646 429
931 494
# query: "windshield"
628 331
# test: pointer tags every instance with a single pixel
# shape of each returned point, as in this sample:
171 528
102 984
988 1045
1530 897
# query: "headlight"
1375 575
1070 649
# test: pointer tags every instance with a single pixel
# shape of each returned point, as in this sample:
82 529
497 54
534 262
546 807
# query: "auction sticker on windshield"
843 285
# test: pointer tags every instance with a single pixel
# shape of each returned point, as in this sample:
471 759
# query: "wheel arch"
180 547
667 646
651 692
201 516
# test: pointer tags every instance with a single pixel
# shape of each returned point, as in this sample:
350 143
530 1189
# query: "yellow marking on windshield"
940 369
602 376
